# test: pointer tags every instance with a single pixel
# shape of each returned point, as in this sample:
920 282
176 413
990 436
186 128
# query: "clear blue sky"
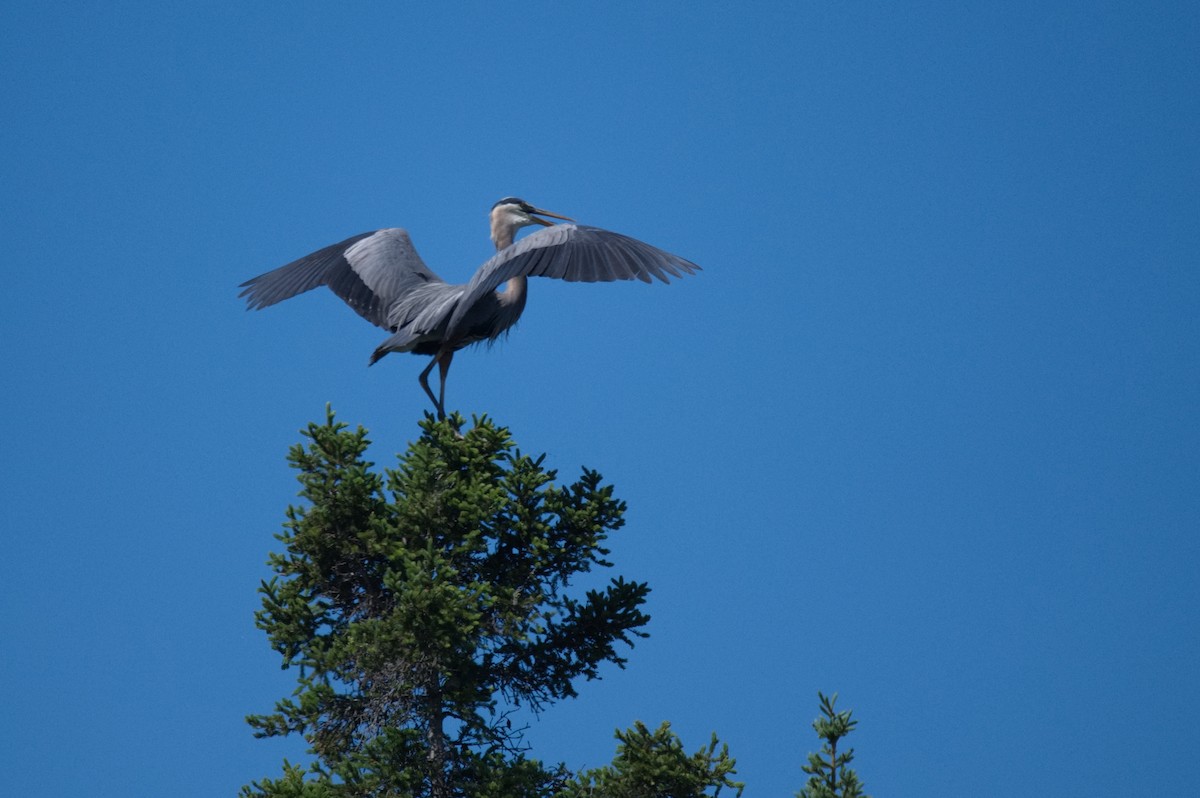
925 431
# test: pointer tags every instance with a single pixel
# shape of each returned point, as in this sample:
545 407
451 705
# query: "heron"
382 278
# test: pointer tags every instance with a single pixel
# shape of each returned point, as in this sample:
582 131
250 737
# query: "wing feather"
603 257
369 271
588 265
571 252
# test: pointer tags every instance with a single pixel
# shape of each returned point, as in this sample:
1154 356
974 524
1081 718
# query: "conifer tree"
829 773
654 765
422 606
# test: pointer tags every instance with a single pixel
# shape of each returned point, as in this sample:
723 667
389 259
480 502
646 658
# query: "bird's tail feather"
402 341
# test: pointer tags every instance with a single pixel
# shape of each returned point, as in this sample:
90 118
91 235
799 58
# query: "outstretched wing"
369 272
575 253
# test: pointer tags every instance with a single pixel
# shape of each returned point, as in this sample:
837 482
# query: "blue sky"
924 431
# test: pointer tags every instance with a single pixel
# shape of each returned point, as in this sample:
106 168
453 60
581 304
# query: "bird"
382 278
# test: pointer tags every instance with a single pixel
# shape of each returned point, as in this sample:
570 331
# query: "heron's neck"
512 296
502 232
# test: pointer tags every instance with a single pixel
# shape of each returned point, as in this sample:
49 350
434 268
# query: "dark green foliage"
654 765
829 773
420 606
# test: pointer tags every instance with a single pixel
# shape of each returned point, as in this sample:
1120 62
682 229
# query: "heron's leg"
443 362
424 380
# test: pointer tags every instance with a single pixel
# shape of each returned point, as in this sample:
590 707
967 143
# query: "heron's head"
511 214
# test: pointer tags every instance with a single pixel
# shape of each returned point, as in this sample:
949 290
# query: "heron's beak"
548 213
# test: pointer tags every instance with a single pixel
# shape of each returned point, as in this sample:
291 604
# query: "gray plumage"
381 276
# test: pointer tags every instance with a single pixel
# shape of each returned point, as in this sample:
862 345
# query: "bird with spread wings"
381 276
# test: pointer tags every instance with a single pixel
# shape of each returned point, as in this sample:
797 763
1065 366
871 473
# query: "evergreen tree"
829 773
654 765
422 606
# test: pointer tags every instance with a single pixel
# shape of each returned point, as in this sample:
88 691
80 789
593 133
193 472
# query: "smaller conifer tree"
829 773
655 765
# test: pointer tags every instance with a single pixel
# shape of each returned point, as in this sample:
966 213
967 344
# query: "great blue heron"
381 276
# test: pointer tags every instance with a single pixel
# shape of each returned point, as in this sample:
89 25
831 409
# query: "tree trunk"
436 739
